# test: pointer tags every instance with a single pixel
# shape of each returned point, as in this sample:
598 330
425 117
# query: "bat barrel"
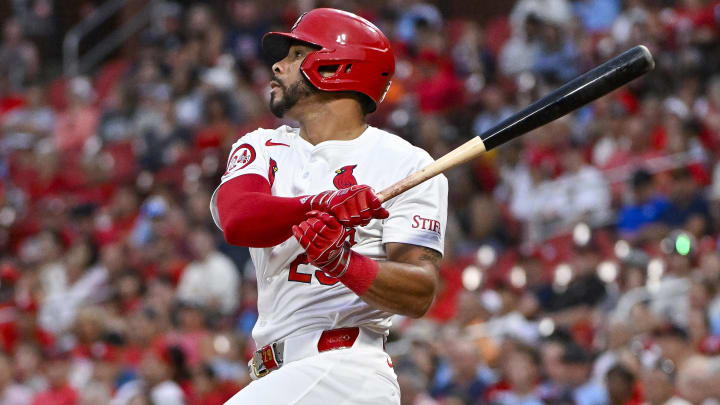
574 94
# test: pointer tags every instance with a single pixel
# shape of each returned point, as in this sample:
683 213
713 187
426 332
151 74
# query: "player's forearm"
405 284
402 288
251 216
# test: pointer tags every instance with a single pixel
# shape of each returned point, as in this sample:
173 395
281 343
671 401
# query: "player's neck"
332 121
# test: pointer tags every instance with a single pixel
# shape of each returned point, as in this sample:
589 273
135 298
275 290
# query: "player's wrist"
317 202
338 262
356 271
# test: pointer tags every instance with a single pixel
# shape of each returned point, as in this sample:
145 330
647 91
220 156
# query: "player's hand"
354 206
323 238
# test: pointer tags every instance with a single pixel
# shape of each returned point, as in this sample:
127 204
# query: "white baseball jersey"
294 297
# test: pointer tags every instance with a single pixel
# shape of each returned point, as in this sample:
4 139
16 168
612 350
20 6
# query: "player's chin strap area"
274 355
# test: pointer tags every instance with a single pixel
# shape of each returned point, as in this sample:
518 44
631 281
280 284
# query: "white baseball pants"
353 376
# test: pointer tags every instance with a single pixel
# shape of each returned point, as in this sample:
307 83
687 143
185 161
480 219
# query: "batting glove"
323 238
354 206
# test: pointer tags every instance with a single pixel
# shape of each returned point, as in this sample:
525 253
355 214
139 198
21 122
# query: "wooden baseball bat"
574 94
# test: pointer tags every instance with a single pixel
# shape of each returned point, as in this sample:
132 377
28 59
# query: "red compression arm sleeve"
251 216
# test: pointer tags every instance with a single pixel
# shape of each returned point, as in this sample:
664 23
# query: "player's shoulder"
400 148
406 157
263 135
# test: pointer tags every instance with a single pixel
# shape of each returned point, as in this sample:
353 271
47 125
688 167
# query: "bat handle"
461 154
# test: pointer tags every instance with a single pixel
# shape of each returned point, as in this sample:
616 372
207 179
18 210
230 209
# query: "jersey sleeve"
247 156
419 215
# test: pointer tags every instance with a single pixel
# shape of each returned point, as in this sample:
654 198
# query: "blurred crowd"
582 263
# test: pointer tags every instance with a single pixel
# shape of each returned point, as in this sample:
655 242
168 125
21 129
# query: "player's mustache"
278 81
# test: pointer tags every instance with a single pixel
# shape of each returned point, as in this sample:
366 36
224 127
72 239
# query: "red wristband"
360 274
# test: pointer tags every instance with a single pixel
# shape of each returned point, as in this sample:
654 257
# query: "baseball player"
333 264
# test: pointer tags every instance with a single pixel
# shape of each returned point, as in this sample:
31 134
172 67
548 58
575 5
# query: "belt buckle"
267 359
259 373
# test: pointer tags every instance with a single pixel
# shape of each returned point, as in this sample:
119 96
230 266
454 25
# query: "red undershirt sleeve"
251 216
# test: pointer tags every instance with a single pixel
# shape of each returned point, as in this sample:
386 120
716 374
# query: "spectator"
39 22
519 53
420 15
534 198
552 11
413 387
11 393
78 122
688 208
218 131
463 376
557 59
116 119
674 344
521 378
437 89
211 279
553 389
59 390
708 108
248 26
647 209
620 385
659 385
495 109
697 379
80 288
207 390
228 363
18 56
201 25
48 248
26 125
154 383
597 15
576 364
587 191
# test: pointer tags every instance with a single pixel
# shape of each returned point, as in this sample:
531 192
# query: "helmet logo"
341 39
298 21
385 92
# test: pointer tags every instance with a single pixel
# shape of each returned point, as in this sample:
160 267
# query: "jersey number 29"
295 275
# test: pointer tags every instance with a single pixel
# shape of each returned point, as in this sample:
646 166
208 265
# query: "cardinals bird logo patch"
240 158
271 172
344 177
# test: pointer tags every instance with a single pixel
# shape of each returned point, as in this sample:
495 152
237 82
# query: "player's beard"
290 95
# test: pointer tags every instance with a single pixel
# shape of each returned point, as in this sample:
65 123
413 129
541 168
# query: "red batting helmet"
360 51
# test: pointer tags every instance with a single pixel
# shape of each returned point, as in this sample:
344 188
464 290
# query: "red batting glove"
354 206
323 238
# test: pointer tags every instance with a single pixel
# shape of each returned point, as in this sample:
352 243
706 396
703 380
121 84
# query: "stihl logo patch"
426 224
241 157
